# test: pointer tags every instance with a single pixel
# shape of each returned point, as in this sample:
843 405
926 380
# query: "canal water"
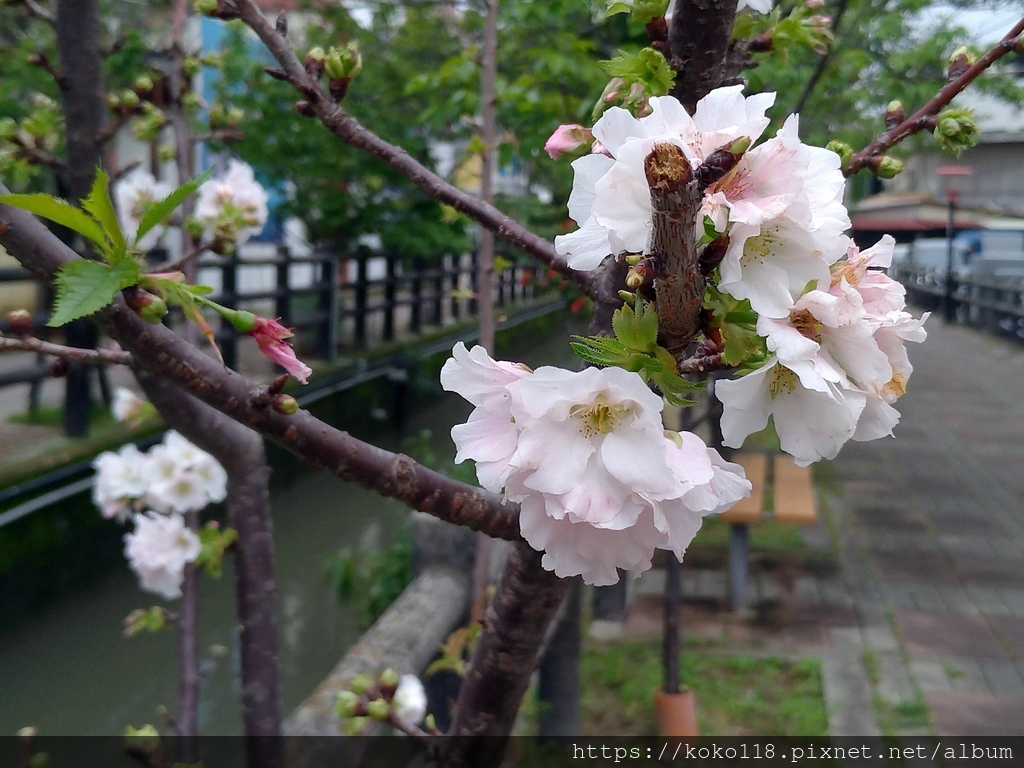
68 670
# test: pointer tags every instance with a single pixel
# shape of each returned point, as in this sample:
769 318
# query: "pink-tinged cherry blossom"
159 549
272 338
600 484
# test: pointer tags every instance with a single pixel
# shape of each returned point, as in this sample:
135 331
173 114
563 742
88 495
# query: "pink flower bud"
567 138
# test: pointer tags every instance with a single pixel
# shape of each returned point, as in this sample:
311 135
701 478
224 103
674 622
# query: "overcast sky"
985 26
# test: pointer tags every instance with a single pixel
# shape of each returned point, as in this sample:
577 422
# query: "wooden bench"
794 504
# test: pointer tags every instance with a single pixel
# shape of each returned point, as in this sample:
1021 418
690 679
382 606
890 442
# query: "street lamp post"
952 177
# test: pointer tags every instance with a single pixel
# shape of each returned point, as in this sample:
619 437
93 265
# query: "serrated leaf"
59 212
636 327
615 7
161 209
101 208
647 66
84 287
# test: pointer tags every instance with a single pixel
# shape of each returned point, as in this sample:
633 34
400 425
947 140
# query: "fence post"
359 318
283 300
416 318
454 272
389 295
228 335
328 303
437 310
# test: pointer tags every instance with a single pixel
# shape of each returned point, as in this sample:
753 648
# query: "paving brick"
966 675
894 682
930 675
932 634
975 714
1002 677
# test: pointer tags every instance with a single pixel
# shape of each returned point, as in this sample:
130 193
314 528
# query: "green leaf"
615 7
647 66
163 208
84 287
636 327
100 207
59 212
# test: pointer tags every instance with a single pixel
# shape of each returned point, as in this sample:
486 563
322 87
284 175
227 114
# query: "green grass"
737 695
714 534
53 416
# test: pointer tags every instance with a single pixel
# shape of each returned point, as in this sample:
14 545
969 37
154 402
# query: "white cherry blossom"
127 405
159 549
410 700
133 195
234 206
121 478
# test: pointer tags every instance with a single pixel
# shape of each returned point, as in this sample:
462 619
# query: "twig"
34 154
164 353
35 9
823 60
703 364
42 61
71 354
188 660
347 128
920 119
110 130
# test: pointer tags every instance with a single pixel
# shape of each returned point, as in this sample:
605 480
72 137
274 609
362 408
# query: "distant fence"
992 298
335 301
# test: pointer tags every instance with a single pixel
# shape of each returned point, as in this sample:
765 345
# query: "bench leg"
739 551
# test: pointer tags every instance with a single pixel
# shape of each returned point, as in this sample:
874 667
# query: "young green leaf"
100 207
636 327
161 209
59 212
84 287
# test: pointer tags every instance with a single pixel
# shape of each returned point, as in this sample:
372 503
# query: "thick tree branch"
499 672
162 352
922 118
675 200
71 354
347 128
698 40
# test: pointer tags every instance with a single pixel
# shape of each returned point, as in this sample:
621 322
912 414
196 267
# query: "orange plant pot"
676 713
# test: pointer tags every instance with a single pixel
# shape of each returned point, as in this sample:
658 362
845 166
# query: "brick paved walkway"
921 626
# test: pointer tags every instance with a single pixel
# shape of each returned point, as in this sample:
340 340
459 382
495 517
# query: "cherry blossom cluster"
155 489
599 481
833 323
229 209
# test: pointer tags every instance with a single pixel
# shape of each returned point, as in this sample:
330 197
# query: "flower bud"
285 404
627 296
959 62
430 724
148 306
844 150
305 109
348 705
20 321
242 320
360 684
191 102
378 709
639 275
315 62
355 725
633 258
60 368
205 7
113 101
130 99
145 739
191 66
389 679
143 84
234 116
813 5
567 138
344 62
894 113
955 130
888 167
28 732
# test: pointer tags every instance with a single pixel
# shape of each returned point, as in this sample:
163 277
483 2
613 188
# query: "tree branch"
675 200
347 128
240 451
920 119
499 672
162 352
823 60
71 354
698 41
